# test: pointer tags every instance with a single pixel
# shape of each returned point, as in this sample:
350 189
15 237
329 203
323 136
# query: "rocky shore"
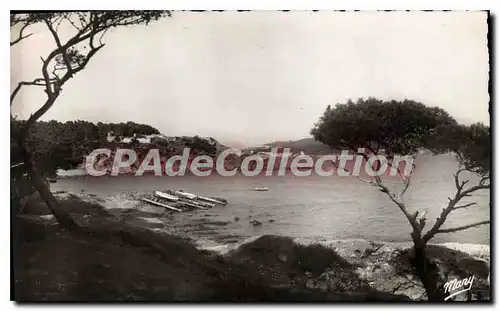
263 268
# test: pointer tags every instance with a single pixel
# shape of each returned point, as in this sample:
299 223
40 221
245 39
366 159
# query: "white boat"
162 205
186 195
260 189
166 196
212 200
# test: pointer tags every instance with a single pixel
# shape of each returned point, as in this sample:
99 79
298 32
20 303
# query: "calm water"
308 207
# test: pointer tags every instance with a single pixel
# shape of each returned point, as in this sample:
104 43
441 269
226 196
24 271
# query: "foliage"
66 59
307 145
126 129
201 144
471 144
397 127
64 145
84 22
393 127
71 56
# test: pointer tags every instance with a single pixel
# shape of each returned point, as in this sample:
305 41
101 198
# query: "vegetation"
65 61
403 128
121 260
198 143
129 263
57 145
308 145
119 255
64 145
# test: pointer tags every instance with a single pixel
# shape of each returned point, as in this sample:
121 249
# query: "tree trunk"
62 217
427 272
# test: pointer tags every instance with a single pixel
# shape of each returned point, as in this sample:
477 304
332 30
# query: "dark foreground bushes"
136 264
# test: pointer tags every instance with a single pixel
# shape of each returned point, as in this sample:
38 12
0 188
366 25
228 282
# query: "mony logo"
455 287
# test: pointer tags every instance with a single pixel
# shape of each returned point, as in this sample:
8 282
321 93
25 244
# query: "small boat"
192 204
182 200
186 195
205 204
212 200
260 189
166 196
162 205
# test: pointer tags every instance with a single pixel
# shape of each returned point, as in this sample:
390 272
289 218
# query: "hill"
308 145
64 145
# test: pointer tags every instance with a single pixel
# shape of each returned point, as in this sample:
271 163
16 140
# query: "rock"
236 218
382 276
314 284
271 220
283 257
255 222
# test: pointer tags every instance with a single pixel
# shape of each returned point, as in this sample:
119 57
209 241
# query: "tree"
403 128
66 59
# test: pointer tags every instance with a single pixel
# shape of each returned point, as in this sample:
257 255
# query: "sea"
312 207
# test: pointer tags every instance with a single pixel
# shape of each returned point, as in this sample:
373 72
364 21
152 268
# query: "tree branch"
412 218
97 22
37 82
406 180
52 96
459 195
458 184
464 206
450 230
364 180
53 93
21 37
58 43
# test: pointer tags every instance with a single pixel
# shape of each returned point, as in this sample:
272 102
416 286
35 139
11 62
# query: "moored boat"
192 204
260 189
185 195
166 196
205 204
161 204
212 200
181 200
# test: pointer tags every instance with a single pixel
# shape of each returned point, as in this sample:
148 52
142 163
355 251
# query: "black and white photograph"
251 156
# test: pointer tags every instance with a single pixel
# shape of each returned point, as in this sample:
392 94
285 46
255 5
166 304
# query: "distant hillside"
308 145
64 145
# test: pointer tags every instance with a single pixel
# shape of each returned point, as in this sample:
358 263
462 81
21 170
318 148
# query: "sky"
255 77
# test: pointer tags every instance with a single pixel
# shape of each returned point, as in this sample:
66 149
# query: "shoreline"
347 245
366 265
